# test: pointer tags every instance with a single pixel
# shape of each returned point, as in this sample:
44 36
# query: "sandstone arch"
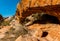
27 7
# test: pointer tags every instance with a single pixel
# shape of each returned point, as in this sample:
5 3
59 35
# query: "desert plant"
1 19
4 23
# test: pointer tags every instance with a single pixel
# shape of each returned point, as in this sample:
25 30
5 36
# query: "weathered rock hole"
44 34
38 40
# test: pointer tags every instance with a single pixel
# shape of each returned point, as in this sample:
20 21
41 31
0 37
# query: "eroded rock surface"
24 8
14 29
51 32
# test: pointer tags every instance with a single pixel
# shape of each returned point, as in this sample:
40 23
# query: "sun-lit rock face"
41 32
45 31
48 6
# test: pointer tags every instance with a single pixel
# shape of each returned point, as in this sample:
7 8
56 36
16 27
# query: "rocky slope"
30 22
39 32
42 32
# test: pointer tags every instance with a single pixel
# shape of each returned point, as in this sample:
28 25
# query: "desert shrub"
5 23
1 19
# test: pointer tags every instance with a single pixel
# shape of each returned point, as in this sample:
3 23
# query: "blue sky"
8 7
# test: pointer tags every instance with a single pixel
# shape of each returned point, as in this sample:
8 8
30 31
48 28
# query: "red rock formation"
52 10
27 7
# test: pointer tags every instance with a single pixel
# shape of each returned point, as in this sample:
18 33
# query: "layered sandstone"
51 7
42 32
35 32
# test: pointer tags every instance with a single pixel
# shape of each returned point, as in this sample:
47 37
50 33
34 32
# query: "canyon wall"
25 7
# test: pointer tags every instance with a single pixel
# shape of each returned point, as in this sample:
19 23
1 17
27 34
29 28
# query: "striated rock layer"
27 7
41 32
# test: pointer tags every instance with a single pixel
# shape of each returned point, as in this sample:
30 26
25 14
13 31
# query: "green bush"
5 23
